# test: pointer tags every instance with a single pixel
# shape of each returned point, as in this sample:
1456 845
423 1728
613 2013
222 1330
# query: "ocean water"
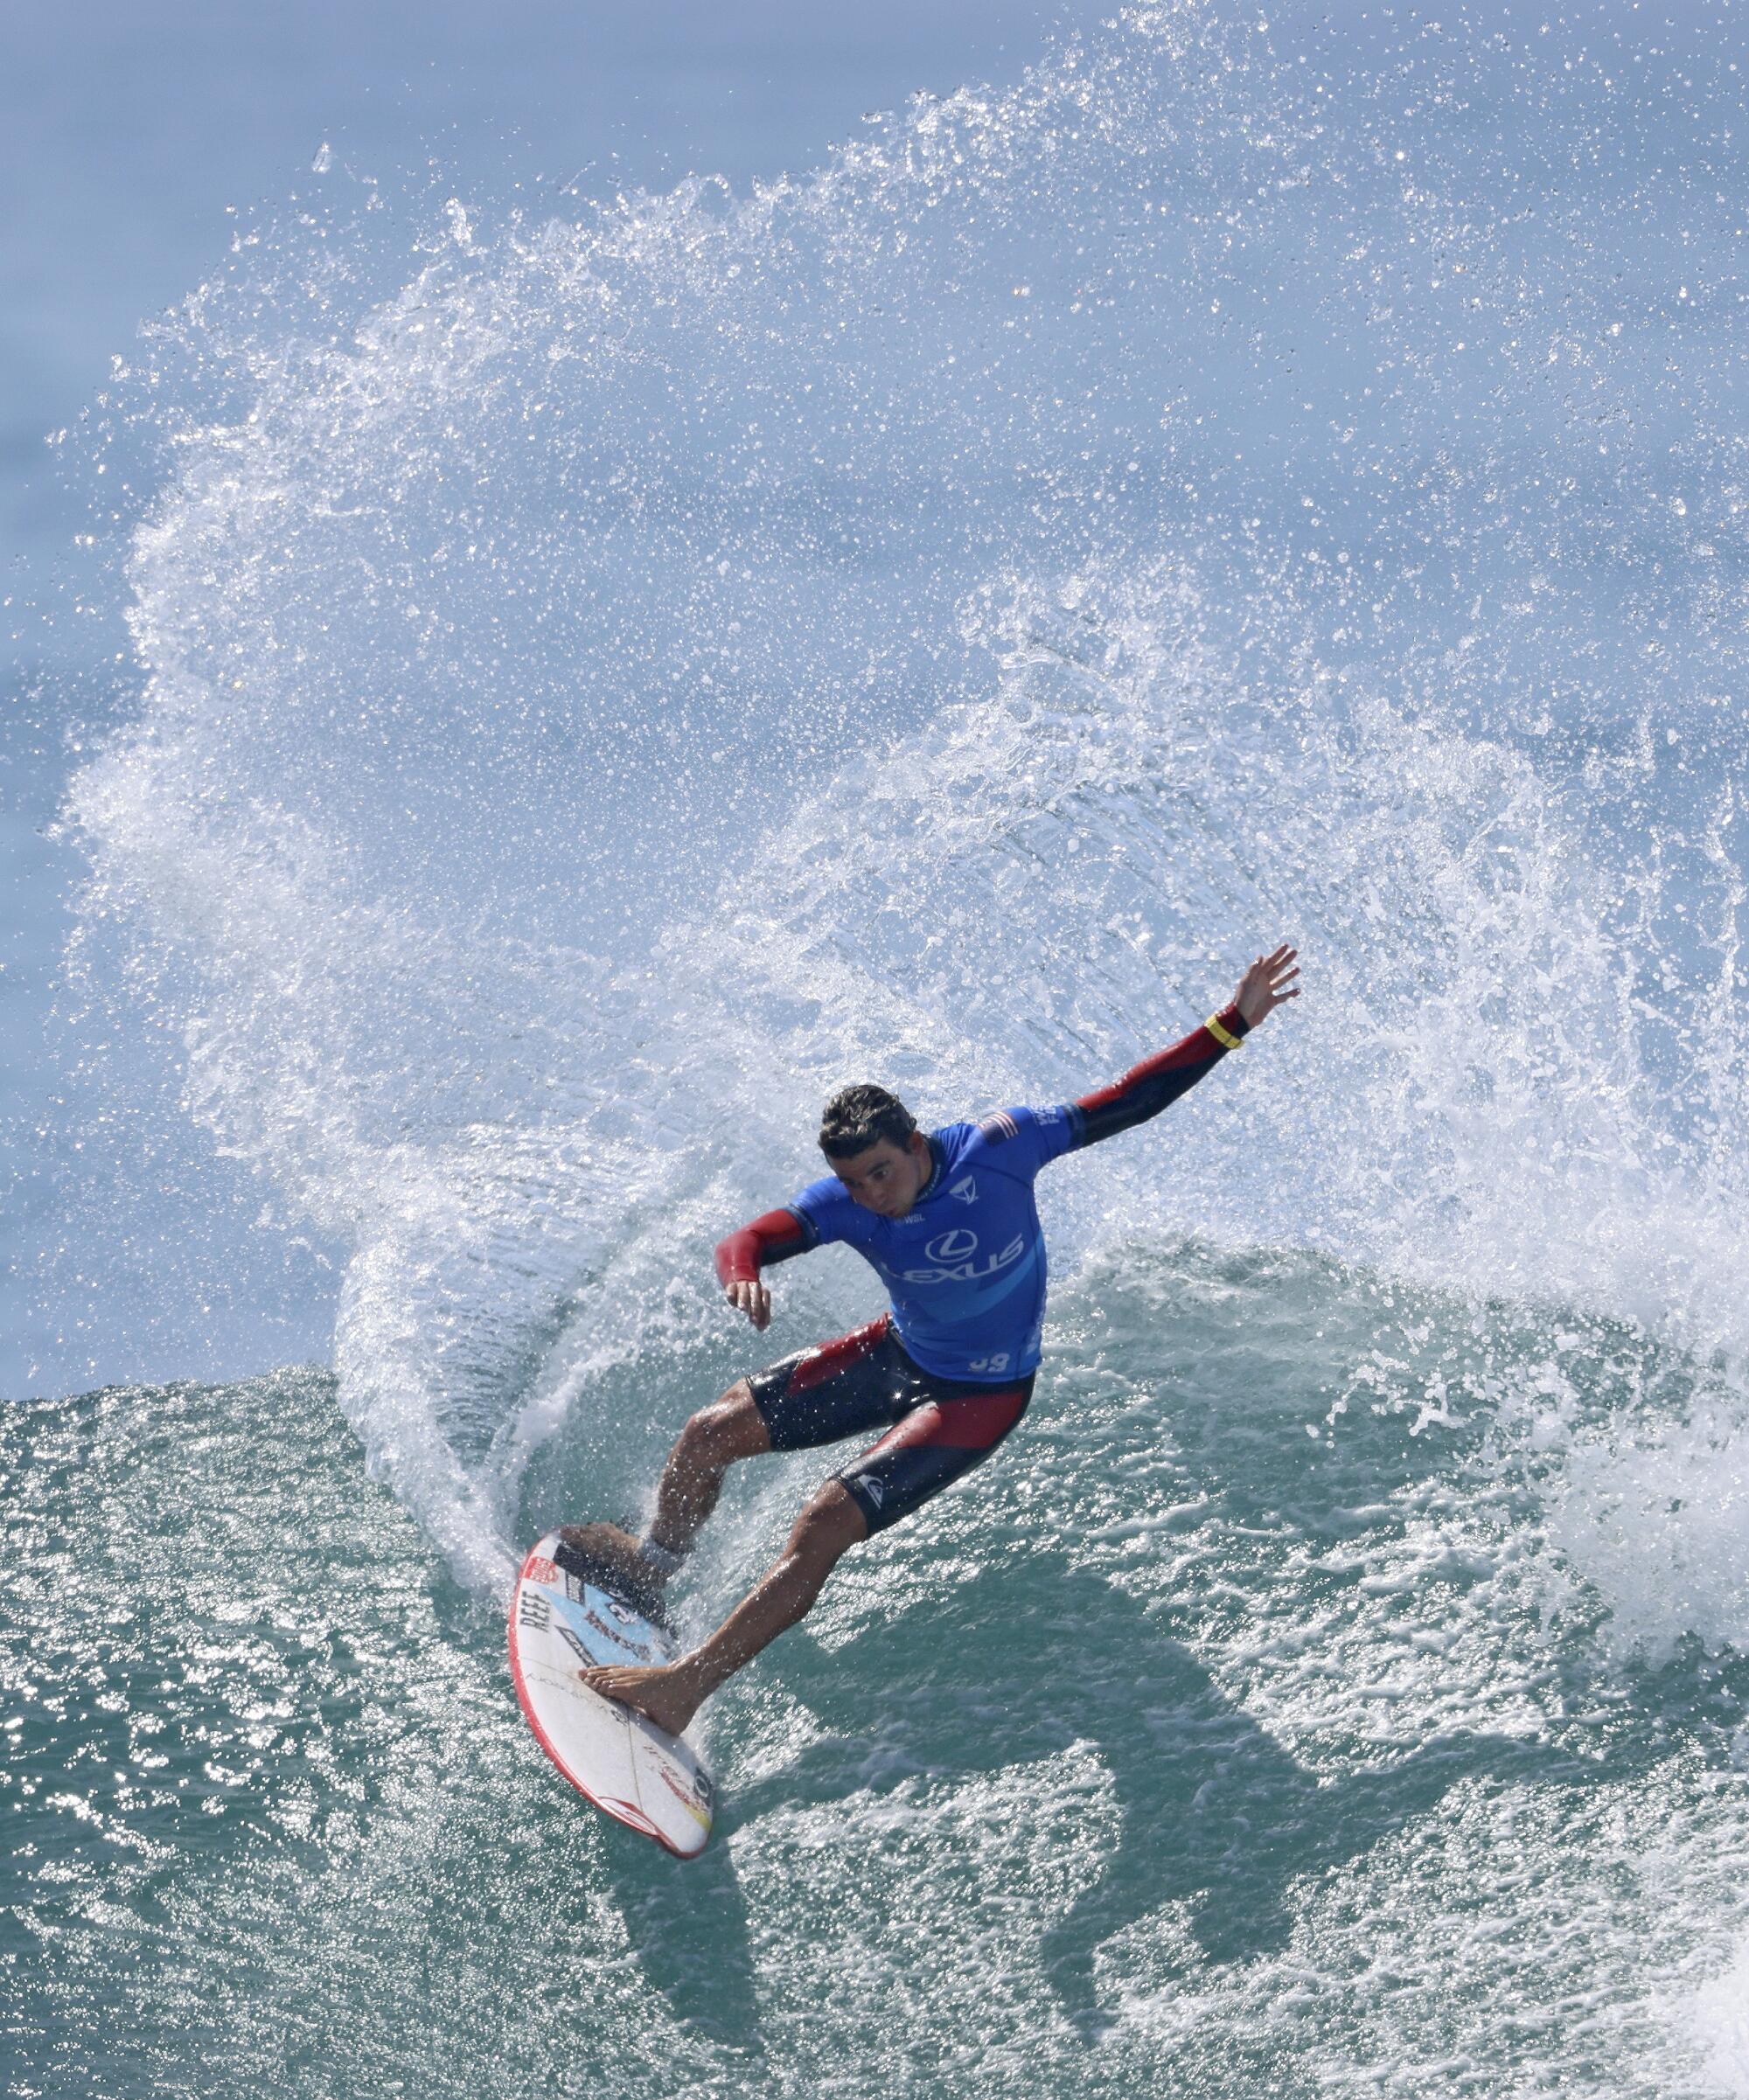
604 676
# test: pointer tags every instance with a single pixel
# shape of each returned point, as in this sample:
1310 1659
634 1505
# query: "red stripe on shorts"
831 1357
971 1424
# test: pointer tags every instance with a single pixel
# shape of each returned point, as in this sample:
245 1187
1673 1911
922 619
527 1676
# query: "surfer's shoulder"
1003 1126
1021 1140
822 1204
952 1141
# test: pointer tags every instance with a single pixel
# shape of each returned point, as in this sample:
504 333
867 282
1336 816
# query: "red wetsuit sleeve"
1157 1081
774 1237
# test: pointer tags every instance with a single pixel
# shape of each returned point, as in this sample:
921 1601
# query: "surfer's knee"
731 1428
830 1524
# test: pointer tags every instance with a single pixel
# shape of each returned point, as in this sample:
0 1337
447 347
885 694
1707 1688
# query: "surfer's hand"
753 1299
1268 983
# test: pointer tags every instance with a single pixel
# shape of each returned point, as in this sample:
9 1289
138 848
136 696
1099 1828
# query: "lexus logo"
952 1247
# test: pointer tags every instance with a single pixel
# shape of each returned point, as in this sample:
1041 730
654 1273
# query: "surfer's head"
875 1149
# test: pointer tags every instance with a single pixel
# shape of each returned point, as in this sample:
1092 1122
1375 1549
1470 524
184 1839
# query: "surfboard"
561 1624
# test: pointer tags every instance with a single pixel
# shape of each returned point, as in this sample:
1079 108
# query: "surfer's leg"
831 1523
843 1387
733 1427
930 1446
860 1381
933 1446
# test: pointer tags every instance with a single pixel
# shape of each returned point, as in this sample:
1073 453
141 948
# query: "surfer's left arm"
1157 1081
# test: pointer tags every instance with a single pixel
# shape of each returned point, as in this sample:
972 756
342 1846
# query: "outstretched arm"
774 1237
1157 1081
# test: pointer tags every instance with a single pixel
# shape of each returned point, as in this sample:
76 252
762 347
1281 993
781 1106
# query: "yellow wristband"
1225 1037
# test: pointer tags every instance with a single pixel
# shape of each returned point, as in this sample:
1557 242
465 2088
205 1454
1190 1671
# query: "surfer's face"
887 1177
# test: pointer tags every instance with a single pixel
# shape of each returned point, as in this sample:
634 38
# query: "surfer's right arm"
776 1237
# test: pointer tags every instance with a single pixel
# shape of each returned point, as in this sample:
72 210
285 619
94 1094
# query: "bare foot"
612 1548
666 1692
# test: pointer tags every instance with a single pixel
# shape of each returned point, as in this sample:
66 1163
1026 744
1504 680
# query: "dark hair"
858 1117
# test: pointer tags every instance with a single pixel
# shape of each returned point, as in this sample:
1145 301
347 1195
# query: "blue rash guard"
966 1265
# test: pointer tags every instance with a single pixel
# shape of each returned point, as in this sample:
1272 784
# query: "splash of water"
609 678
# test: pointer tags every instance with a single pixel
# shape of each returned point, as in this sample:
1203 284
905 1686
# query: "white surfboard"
560 1624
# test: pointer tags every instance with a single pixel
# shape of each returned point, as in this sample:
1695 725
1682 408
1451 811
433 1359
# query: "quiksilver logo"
964 1189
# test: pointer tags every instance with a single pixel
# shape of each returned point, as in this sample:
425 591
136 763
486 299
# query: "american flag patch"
1000 1125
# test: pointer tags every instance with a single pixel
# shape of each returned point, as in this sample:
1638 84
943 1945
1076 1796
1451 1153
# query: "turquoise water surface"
1179 1744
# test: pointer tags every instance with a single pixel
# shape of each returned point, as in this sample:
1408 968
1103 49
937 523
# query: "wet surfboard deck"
561 1624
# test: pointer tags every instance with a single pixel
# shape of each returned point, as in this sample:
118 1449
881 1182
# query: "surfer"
947 1219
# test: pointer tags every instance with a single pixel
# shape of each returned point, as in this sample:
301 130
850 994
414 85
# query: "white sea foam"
1715 2021
1655 1518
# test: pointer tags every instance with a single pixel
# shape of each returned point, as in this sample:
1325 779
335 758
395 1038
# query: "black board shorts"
936 1428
